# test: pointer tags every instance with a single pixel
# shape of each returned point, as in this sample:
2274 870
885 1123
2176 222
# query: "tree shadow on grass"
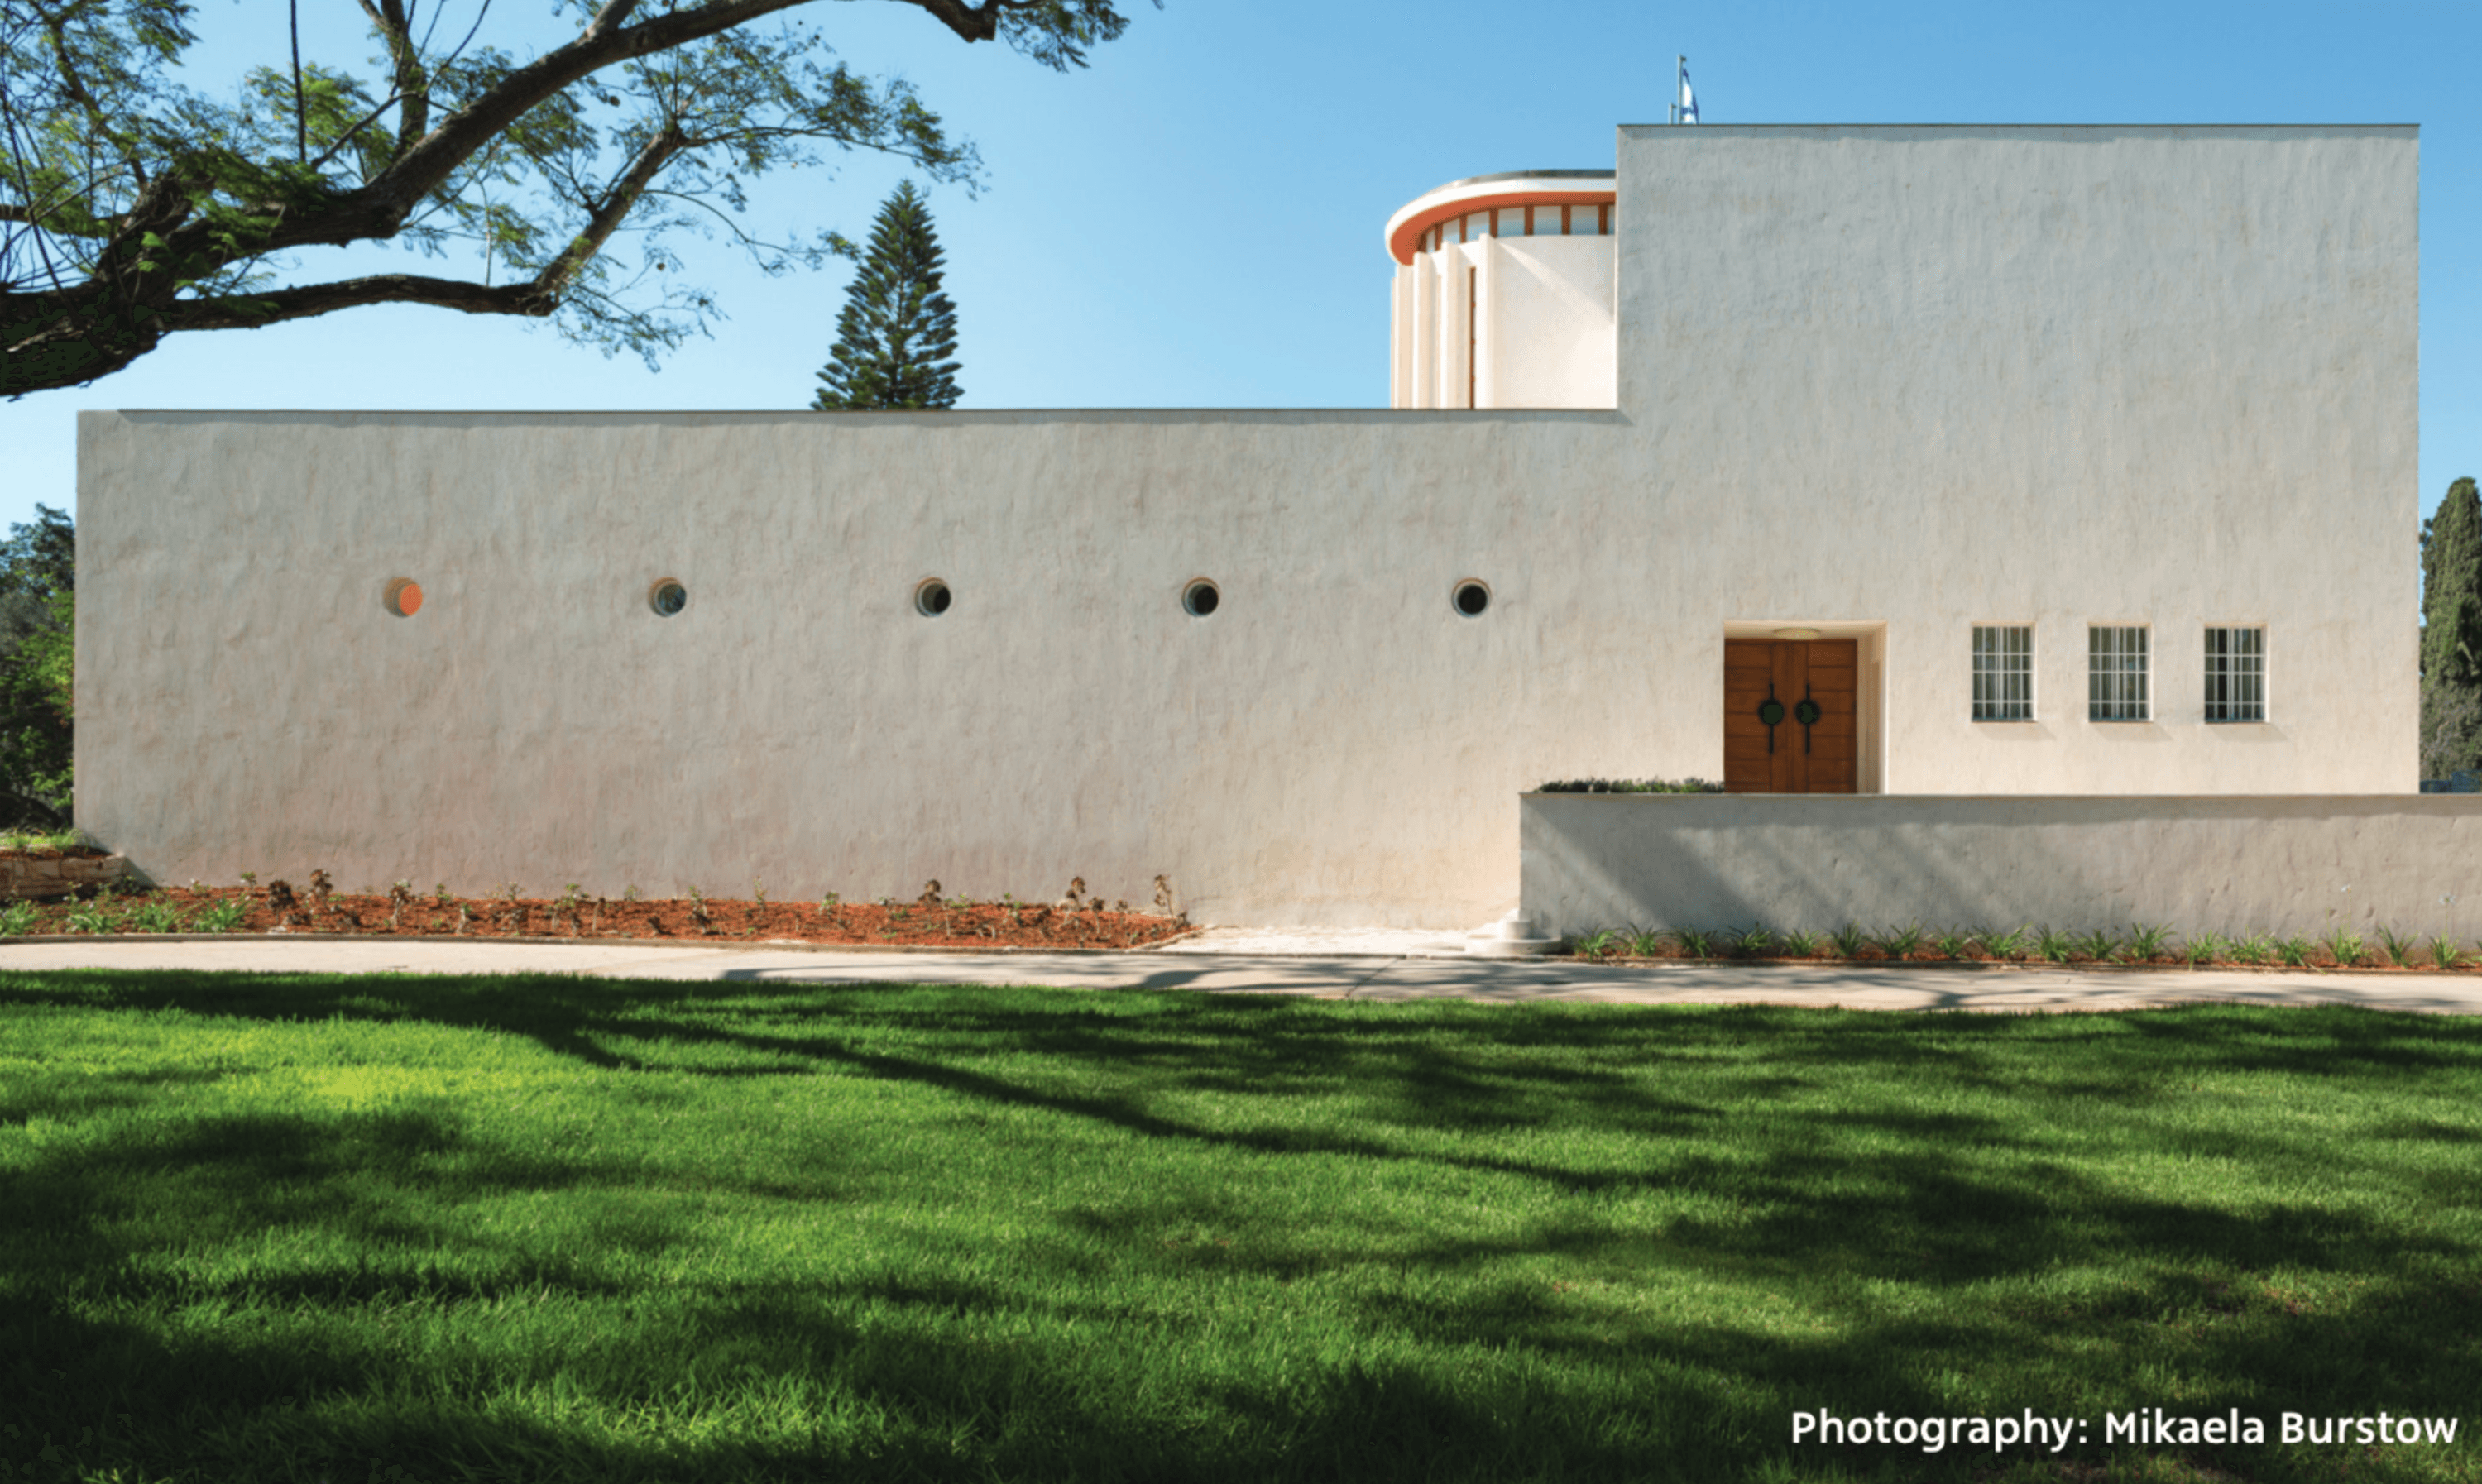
1474 1366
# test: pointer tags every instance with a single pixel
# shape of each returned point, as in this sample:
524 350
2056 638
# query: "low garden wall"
2299 864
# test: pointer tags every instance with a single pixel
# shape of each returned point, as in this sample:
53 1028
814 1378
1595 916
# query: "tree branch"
607 214
418 170
249 312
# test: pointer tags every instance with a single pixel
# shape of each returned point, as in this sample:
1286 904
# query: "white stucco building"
2038 459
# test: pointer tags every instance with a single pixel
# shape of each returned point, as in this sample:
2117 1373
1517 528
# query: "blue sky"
1195 221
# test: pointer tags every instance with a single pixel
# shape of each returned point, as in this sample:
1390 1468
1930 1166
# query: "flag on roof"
1688 99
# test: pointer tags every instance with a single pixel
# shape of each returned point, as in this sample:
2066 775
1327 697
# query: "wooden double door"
1807 687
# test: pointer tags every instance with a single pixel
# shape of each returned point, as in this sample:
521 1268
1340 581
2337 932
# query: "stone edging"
735 944
41 876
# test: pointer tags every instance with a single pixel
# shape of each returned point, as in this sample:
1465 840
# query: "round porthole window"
668 597
404 598
931 598
1199 597
1471 597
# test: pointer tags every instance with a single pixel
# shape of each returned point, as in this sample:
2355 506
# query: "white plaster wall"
2236 865
1334 744
1549 325
1550 331
1899 376
1977 374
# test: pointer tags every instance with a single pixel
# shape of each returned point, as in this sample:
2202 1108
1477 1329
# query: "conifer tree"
898 330
2451 634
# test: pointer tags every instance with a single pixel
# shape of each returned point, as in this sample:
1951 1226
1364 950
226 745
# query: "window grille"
2004 673
2115 673
2236 675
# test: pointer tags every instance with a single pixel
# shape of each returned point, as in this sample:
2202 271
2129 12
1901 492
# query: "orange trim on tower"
1407 239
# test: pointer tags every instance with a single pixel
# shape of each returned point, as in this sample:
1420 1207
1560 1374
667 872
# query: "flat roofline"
2132 125
928 413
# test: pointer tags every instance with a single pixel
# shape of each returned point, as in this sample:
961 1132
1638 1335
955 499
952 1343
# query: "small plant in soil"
2257 948
2294 952
1850 940
399 898
2205 949
1798 945
18 918
1645 945
1693 943
1754 941
1953 944
2399 947
2444 952
281 901
223 918
2010 945
699 912
2346 948
322 890
2098 946
2052 945
2148 943
440 893
1899 942
1596 945
155 916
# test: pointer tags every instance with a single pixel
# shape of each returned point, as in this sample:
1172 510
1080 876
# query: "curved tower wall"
1505 295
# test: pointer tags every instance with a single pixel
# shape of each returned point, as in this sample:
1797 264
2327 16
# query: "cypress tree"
2451 634
898 330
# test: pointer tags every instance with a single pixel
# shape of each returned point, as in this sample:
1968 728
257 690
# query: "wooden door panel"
1819 758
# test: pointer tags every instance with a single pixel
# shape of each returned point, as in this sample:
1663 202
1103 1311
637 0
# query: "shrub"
1632 786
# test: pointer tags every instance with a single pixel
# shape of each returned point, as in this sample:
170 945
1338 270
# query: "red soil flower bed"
929 921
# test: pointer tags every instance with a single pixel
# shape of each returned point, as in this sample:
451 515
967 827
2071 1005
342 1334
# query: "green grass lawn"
303 1226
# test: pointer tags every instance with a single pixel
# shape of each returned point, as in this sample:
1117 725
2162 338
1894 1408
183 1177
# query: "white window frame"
1991 701
2117 691
2247 679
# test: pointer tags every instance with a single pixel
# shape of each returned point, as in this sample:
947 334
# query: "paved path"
1329 976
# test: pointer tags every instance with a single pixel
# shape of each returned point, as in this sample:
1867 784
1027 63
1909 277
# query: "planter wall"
2222 864
25 876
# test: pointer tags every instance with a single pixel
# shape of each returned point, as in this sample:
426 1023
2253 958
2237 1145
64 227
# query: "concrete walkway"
1331 976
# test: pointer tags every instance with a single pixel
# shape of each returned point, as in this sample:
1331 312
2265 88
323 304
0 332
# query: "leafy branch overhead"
132 207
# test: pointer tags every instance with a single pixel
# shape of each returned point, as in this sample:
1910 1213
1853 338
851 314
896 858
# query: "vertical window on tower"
2003 673
1473 336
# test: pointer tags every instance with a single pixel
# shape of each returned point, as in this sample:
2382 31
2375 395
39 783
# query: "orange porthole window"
404 598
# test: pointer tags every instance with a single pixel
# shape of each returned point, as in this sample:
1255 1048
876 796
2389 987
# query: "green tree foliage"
898 330
37 649
132 207
2451 634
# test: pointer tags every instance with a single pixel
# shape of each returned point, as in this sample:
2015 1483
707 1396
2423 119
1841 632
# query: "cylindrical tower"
1506 288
